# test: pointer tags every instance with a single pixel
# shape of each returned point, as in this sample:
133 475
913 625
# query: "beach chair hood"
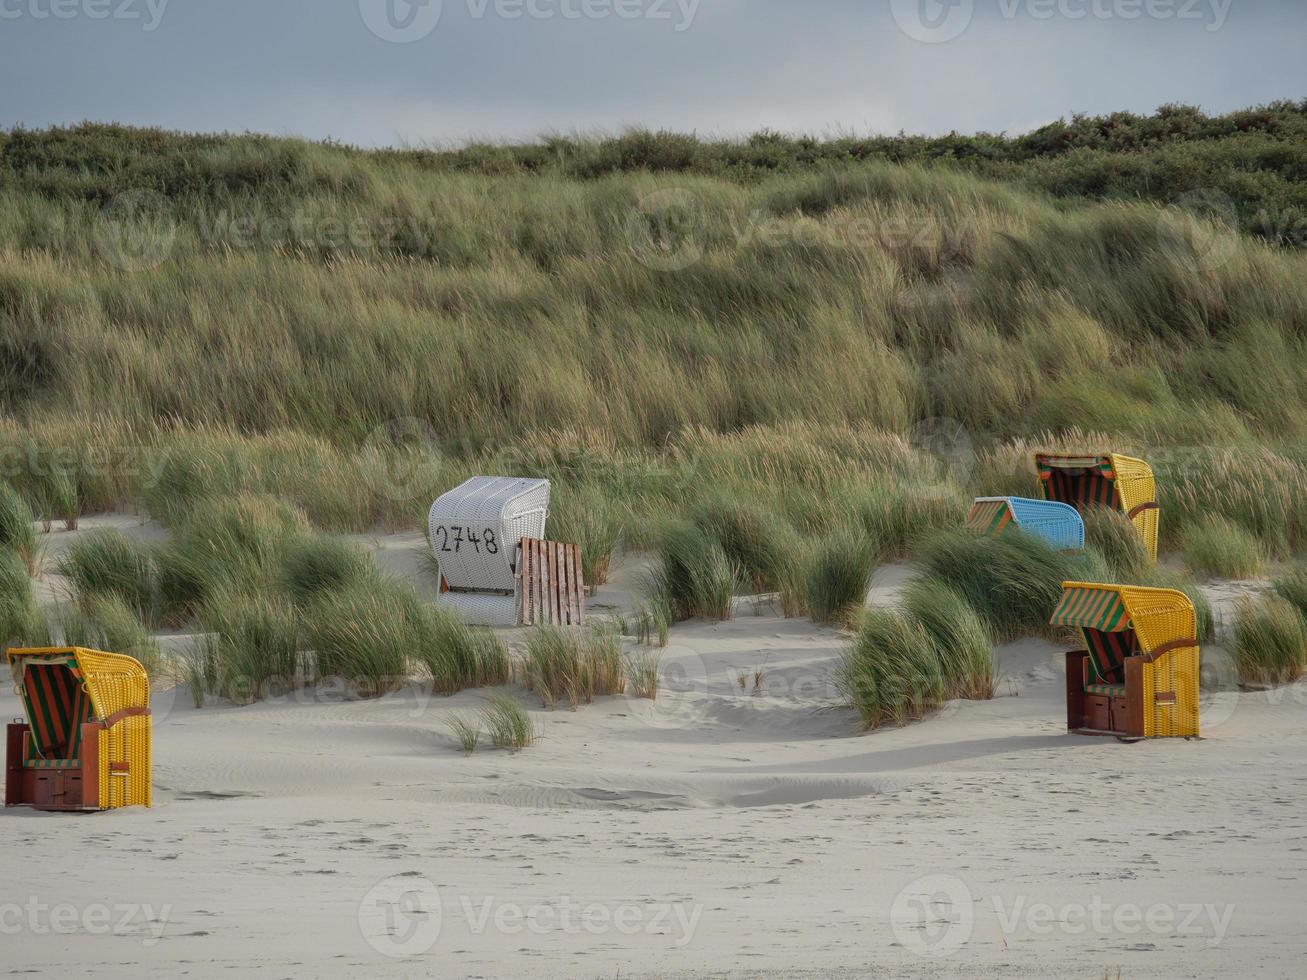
1110 480
1059 524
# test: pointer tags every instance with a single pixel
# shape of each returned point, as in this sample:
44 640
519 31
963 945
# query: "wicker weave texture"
474 529
483 608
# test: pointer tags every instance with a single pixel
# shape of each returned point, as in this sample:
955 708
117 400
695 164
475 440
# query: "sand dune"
716 832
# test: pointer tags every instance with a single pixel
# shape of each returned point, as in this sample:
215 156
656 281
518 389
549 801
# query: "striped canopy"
1088 608
57 706
1081 481
989 517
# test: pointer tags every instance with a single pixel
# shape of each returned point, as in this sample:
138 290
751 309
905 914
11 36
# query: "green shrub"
962 641
694 578
891 671
1270 639
101 564
1217 546
17 527
1013 582
838 577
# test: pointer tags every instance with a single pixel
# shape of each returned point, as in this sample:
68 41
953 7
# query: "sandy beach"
739 826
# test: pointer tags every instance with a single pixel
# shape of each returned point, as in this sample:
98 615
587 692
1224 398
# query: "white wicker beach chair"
475 530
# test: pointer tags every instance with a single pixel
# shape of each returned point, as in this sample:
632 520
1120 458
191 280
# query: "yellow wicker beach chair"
1104 480
86 742
1138 676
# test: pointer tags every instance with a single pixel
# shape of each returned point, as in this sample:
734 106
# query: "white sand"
730 833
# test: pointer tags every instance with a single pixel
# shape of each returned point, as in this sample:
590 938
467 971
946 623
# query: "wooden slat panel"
553 590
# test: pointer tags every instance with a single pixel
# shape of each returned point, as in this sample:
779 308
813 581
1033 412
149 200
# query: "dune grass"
17 527
457 656
1292 586
253 645
643 674
856 348
105 563
17 607
467 732
694 578
962 641
837 577
316 564
574 665
1217 546
508 724
1270 638
1013 582
1112 535
891 672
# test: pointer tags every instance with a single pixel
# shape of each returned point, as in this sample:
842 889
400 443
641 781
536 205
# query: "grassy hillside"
839 333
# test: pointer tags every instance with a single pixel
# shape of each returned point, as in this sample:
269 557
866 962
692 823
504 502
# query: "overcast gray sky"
385 72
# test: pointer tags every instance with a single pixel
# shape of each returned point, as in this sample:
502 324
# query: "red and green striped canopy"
1098 609
989 517
57 706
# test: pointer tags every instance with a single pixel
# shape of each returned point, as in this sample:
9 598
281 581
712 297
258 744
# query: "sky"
439 72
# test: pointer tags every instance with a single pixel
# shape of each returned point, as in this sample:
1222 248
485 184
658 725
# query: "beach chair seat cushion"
53 764
1110 690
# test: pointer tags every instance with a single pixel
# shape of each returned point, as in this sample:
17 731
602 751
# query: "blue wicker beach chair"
1059 524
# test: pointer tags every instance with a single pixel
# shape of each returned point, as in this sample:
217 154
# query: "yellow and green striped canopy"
1098 609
